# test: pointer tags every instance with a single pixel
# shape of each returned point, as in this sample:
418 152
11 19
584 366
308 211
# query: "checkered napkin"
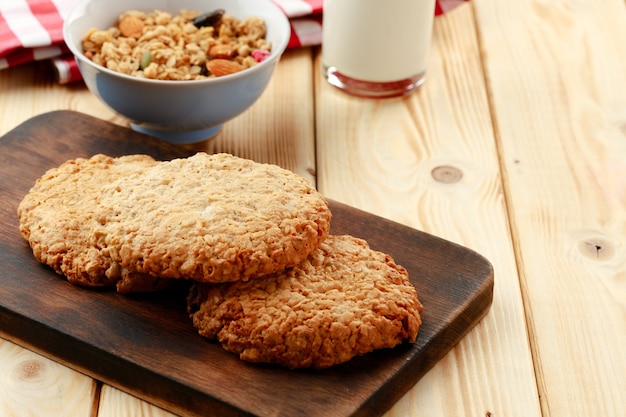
32 30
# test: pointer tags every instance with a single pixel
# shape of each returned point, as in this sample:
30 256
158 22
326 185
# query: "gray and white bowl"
176 111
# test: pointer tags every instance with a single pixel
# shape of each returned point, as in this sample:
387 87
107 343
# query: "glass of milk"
376 48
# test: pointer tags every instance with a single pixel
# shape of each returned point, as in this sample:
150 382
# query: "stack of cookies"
268 281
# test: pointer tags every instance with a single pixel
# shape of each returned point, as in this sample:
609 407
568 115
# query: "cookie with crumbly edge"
210 218
61 219
214 218
343 301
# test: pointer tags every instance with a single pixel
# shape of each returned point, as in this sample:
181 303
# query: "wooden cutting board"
146 345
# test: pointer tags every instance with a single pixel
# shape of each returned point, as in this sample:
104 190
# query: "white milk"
377 40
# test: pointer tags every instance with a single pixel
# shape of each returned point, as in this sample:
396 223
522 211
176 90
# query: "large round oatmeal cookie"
344 300
61 218
211 218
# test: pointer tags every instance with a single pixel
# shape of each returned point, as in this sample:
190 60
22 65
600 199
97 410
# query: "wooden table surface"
514 147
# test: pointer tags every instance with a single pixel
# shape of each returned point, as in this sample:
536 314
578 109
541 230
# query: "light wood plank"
401 159
557 75
116 403
30 89
33 386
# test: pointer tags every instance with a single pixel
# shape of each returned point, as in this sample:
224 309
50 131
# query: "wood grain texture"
34 386
116 403
30 89
146 344
561 116
430 161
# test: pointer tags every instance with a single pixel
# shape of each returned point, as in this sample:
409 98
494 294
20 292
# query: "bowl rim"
276 52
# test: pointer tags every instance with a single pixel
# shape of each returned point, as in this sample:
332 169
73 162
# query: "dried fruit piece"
221 67
131 26
208 19
260 55
221 51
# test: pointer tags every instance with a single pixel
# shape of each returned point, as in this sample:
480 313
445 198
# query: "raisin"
208 19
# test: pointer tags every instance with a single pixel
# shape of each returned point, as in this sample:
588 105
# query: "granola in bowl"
185 46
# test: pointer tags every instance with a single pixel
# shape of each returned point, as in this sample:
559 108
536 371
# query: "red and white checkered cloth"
32 30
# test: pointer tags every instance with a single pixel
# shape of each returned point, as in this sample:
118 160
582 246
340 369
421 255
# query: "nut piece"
220 67
221 51
131 27
146 59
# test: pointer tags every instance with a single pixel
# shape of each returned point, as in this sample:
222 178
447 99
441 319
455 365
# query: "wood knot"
597 248
447 174
30 370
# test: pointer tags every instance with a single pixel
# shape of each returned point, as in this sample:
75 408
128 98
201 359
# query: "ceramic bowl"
176 111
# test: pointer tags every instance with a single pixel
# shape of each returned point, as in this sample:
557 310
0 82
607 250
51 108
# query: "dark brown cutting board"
146 344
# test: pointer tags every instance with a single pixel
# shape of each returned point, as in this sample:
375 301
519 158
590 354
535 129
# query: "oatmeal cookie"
211 218
62 221
344 300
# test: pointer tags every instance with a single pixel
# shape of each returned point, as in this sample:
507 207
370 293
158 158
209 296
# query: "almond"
221 51
131 27
221 67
